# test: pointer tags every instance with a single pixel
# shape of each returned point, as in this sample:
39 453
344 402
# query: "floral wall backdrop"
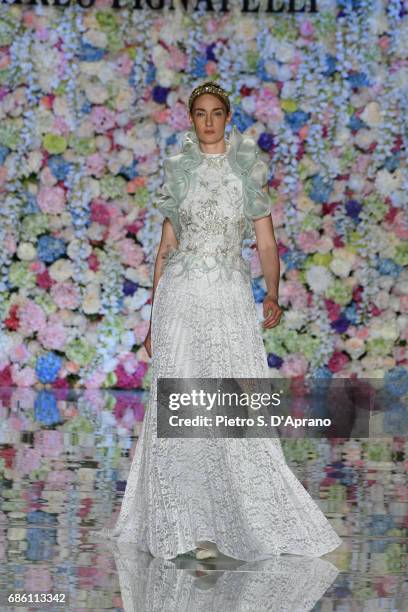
93 100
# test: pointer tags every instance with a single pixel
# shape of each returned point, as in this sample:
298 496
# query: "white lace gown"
238 493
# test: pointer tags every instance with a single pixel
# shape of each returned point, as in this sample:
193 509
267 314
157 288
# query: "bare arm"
269 259
167 242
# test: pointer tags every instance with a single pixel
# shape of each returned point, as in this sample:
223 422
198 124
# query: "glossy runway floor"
64 460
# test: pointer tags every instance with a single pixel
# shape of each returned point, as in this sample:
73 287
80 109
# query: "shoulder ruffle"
243 157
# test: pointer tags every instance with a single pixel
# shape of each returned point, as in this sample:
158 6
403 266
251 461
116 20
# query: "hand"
147 343
272 311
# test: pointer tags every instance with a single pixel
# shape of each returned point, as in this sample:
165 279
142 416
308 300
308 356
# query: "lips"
209 131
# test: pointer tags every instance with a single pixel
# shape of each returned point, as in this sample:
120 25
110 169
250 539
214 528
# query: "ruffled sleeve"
168 199
256 201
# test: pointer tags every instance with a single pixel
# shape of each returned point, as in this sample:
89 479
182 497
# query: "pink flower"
140 330
27 460
53 336
49 443
293 292
51 199
400 225
38 579
100 212
337 361
60 126
58 480
10 243
177 60
95 381
131 253
267 106
307 240
66 295
20 353
294 365
178 119
24 377
124 64
129 361
32 318
161 116
306 28
102 118
95 164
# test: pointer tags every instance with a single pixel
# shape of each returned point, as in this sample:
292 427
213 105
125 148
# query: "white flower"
384 328
34 161
355 347
96 93
387 182
318 278
294 319
97 38
61 270
371 114
356 183
26 251
91 302
342 263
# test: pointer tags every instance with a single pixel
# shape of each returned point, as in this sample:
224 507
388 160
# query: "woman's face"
209 117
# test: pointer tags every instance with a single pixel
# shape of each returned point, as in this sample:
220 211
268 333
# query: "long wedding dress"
238 493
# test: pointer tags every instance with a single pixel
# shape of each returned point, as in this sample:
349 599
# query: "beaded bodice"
211 216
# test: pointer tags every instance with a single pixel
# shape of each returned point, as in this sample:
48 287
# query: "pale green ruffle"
216 266
243 157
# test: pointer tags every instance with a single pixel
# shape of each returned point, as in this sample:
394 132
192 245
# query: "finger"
276 312
272 319
272 323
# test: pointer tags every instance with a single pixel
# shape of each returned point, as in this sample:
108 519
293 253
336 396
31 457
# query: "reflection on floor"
64 460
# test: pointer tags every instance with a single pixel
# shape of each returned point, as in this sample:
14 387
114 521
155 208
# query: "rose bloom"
51 199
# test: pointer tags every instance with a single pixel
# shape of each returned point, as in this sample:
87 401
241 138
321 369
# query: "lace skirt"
238 493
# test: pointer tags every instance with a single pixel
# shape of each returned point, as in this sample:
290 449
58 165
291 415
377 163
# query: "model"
228 495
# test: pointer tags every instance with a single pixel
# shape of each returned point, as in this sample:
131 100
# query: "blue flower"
351 313
261 71
294 259
50 248
209 52
381 523
358 79
159 94
395 419
353 208
393 161
388 267
322 372
356 123
258 291
40 544
4 151
30 207
59 167
199 70
274 361
265 141
331 65
396 381
241 119
340 325
86 108
37 517
297 119
170 140
89 53
45 408
81 217
321 190
130 172
47 367
129 287
151 73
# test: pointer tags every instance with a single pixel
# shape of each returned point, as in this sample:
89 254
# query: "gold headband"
209 88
